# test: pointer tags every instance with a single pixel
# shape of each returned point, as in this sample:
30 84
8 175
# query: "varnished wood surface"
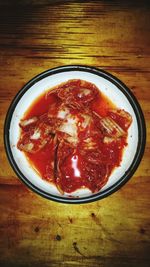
38 35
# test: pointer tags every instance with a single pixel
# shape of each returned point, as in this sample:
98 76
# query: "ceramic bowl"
109 85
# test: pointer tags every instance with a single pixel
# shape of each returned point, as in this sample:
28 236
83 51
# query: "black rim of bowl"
141 133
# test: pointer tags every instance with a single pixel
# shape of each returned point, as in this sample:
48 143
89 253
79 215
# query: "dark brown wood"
38 35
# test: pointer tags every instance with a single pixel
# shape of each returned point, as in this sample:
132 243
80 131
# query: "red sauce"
68 165
41 105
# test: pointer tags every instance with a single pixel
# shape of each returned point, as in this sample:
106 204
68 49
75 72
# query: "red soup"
74 136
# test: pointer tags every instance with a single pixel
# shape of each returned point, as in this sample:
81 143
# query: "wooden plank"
44 231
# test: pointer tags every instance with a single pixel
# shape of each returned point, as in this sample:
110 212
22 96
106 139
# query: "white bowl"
109 85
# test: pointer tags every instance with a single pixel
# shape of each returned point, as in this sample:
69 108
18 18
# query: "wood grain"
38 35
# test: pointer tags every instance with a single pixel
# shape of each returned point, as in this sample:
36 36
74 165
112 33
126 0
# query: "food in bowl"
74 136
101 108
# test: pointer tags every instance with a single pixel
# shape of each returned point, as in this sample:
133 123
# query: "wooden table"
38 35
